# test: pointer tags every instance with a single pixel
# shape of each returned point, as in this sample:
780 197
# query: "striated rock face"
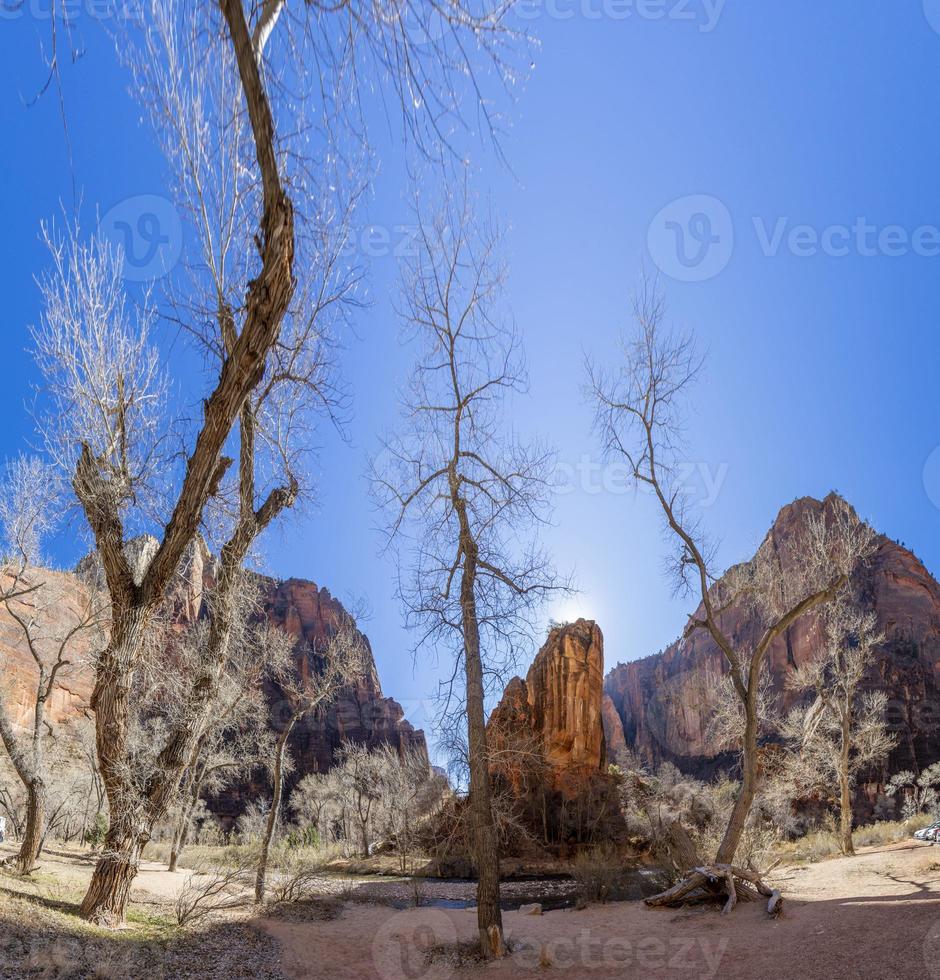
660 703
64 598
360 714
613 728
558 707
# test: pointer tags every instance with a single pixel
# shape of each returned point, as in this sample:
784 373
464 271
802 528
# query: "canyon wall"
660 703
556 712
361 713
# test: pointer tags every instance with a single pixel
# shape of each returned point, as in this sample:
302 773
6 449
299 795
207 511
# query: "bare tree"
410 792
236 739
334 666
638 416
310 802
462 494
843 732
216 77
920 791
359 780
54 627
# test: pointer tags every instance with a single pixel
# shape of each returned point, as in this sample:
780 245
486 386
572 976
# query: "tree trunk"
262 874
105 902
35 823
845 790
486 853
742 805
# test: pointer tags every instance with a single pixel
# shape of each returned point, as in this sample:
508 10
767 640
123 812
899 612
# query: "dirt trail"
74 866
876 916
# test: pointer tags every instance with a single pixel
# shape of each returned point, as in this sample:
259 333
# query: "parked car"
928 833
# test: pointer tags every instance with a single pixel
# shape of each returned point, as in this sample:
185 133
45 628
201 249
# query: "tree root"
716 882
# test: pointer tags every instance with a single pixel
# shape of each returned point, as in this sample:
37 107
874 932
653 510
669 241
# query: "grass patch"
821 845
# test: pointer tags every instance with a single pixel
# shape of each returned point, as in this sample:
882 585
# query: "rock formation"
548 746
557 709
66 597
360 714
659 700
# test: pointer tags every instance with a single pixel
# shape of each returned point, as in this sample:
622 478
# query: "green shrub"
96 833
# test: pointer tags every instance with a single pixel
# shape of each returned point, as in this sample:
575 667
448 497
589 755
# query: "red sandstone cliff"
659 699
557 710
360 714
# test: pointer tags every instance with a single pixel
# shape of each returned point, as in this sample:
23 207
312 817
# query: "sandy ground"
74 866
875 916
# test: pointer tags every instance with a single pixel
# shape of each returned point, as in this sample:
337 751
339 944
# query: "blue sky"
794 147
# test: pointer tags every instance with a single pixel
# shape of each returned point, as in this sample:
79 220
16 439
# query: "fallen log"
713 882
674 895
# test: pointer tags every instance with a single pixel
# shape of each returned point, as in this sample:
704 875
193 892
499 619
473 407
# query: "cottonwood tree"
639 408
411 791
359 782
216 78
843 732
304 690
236 740
54 624
463 494
310 802
921 792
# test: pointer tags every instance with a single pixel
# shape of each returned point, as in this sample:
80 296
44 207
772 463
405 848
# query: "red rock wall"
360 714
659 699
559 704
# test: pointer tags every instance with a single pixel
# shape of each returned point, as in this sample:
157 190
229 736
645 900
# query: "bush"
303 837
597 873
97 832
822 844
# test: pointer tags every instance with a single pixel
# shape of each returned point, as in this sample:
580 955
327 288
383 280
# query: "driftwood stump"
717 881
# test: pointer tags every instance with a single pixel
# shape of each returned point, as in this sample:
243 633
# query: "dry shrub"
213 890
597 873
